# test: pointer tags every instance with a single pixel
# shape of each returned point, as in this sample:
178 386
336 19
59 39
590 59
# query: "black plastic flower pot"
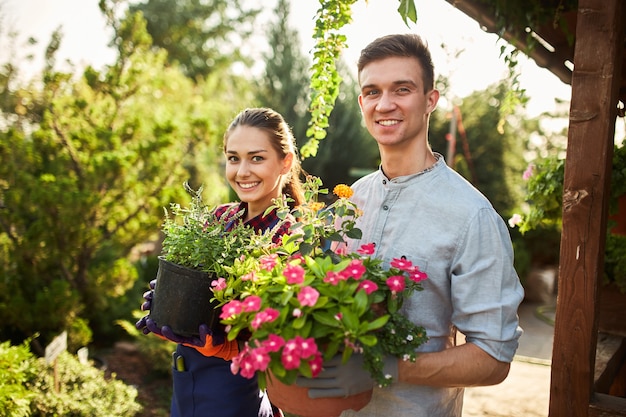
182 299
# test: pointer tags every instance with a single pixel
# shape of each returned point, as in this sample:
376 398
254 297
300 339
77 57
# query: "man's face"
394 105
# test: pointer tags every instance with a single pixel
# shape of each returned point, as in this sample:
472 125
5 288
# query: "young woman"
261 165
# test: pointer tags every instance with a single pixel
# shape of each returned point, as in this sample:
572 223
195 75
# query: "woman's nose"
244 169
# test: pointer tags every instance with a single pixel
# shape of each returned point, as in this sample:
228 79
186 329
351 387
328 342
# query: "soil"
154 392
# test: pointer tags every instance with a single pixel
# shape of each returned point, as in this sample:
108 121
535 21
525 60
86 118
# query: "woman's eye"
257 158
232 159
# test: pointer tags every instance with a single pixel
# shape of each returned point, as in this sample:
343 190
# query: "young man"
416 206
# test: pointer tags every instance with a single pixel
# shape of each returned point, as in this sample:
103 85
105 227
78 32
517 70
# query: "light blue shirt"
444 225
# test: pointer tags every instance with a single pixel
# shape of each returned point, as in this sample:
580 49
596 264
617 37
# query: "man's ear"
433 99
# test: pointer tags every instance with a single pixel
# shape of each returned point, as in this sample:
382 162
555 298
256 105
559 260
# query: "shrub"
17 367
27 388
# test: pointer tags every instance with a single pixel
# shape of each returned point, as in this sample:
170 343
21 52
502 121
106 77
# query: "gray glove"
342 380
338 379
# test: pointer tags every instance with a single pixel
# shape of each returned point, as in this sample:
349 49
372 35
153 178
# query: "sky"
477 65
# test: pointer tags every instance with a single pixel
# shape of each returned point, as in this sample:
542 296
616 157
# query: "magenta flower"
396 283
367 249
266 316
308 296
273 343
231 308
290 359
416 275
218 284
252 303
332 278
294 274
260 358
268 262
243 364
355 269
401 263
368 286
307 348
316 364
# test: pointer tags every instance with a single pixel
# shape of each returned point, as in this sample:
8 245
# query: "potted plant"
302 304
197 247
544 195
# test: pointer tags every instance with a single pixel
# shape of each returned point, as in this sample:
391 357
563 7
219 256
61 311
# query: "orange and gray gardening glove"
206 342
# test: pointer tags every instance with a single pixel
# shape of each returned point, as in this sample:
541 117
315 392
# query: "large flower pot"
294 399
182 299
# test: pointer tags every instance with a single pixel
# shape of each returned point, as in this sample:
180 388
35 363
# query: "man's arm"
465 365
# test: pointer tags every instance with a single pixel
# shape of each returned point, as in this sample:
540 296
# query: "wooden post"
595 86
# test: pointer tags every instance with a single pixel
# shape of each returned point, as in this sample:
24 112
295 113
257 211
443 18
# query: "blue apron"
207 388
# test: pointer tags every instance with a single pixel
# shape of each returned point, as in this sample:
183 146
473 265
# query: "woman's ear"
287 163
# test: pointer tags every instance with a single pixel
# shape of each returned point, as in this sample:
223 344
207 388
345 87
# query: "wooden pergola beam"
595 88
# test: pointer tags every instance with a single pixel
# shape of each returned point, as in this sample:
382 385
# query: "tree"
89 162
492 161
284 87
202 36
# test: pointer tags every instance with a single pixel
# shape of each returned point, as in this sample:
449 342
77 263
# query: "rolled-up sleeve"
486 291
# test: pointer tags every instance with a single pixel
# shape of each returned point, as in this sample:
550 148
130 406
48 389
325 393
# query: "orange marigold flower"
343 191
316 205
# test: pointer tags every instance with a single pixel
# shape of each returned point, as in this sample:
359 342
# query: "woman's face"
254 169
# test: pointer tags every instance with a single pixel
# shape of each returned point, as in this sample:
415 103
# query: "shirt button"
384 181
385 208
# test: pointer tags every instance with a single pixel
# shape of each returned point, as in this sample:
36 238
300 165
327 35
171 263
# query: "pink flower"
308 296
368 286
401 263
243 364
416 275
251 276
355 269
218 284
266 316
231 308
528 173
294 274
273 343
332 278
252 303
260 359
341 250
316 364
396 283
307 347
268 262
297 312
515 220
290 359
296 257
367 249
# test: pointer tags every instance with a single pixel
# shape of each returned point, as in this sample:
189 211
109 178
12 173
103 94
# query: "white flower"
515 220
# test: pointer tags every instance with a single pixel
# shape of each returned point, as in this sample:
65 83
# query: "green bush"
17 367
27 388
